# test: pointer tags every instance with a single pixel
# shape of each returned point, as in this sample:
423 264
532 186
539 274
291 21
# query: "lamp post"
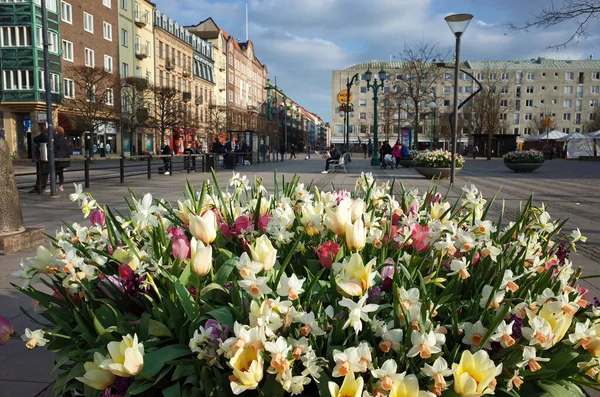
349 82
375 87
432 106
458 24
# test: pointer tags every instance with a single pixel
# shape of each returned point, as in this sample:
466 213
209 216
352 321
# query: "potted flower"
306 292
436 163
409 161
524 160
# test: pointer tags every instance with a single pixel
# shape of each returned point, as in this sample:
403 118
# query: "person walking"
383 151
41 171
292 151
475 151
62 151
282 151
364 148
397 152
334 156
166 151
108 147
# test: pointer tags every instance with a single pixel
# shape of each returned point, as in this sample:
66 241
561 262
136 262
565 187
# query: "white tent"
552 135
569 137
579 145
593 135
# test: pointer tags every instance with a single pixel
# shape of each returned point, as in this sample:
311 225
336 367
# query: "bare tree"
387 112
487 112
217 120
167 113
584 13
593 124
544 122
137 99
95 99
420 75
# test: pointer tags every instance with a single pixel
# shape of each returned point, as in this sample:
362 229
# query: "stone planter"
523 167
407 163
431 172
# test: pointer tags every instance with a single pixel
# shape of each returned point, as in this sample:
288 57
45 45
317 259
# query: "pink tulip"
181 248
263 221
397 216
414 209
97 218
437 198
476 258
6 330
226 230
583 291
243 225
327 253
419 237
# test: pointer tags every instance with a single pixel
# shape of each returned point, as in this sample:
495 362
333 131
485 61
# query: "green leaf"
155 361
186 301
222 275
561 389
172 391
212 287
222 315
156 328
272 388
323 385
138 387
185 276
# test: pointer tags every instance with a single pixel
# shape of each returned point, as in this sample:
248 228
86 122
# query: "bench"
341 163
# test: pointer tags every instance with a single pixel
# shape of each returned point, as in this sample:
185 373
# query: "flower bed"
437 159
319 293
524 157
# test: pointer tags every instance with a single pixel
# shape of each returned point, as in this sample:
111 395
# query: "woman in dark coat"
62 151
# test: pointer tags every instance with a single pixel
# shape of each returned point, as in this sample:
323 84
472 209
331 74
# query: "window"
18 79
106 3
124 38
67 50
447 90
569 89
90 93
138 72
230 95
504 90
517 118
529 102
503 102
528 116
110 97
567 103
15 36
88 22
480 76
566 116
595 89
519 77
468 90
66 12
363 116
362 102
448 76
124 70
52 41
54 82
160 49
107 28
566 130
579 105
530 76
595 75
69 88
108 63
530 89
148 48
363 90
594 103
446 102
493 76
578 118
505 76
569 75
89 58
124 4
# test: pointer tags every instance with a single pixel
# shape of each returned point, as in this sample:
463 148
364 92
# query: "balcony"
140 54
139 21
222 66
199 101
170 65
187 96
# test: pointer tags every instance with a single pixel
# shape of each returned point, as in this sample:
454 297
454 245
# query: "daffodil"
290 287
347 362
34 338
387 374
438 372
423 344
357 312
530 359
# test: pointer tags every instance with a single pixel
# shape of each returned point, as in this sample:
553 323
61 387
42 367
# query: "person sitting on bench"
335 156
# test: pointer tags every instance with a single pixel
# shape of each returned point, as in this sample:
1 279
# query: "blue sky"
301 41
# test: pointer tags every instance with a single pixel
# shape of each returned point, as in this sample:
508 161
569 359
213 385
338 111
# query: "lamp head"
382 74
341 113
432 105
368 75
458 23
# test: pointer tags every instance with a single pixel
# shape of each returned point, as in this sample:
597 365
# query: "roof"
539 63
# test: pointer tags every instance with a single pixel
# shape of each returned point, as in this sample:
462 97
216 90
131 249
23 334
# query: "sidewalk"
570 190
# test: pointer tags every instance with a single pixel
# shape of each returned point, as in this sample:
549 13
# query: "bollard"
86 171
189 163
38 172
171 165
149 167
122 168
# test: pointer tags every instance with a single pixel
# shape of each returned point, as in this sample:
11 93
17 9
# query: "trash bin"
230 161
210 162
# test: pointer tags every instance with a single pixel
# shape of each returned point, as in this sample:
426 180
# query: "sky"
302 41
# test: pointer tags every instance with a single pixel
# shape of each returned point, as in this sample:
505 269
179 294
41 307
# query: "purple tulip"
97 218
375 295
218 332
387 277
6 330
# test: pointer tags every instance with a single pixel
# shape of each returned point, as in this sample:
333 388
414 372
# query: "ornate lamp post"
349 82
458 24
375 87
432 106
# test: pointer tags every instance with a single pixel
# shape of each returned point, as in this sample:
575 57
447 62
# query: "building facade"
563 91
89 39
23 108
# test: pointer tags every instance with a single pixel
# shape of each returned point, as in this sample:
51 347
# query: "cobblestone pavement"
570 189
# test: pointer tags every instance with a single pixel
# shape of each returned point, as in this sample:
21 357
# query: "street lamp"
458 24
349 83
375 87
432 106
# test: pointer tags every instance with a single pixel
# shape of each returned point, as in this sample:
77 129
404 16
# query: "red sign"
222 138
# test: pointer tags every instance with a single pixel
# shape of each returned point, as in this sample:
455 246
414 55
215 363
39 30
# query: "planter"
407 163
523 167
431 172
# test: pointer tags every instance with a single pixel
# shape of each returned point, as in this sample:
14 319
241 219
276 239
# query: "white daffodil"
494 300
34 338
313 365
515 381
583 334
387 374
438 372
290 287
539 332
391 339
474 334
576 236
79 195
145 212
490 250
446 245
255 286
508 281
483 228
424 344
310 327
293 384
503 334
465 241
530 359
357 312
239 182
346 362
279 351
460 267
563 303
247 267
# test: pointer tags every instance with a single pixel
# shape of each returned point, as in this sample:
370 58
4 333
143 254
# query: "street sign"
547 122
343 97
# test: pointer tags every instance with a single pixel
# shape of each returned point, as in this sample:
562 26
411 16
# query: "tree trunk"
489 145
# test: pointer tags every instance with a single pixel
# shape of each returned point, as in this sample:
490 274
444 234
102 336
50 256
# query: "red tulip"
97 218
419 237
327 253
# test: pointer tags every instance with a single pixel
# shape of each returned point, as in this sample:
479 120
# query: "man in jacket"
42 170
166 151
335 156
62 151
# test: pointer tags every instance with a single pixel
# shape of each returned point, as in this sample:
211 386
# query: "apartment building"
565 91
184 62
23 108
90 39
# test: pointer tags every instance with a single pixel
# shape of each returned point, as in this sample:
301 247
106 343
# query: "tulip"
243 225
336 220
263 221
201 257
357 277
183 211
264 252
204 228
356 235
96 377
559 321
357 210
420 241
351 387
327 253
181 248
247 365
6 330
97 218
407 386
126 357
475 374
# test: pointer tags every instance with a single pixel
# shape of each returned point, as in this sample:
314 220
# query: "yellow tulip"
408 386
355 278
559 321
356 235
475 374
183 211
126 357
96 377
264 252
351 387
336 220
204 228
247 364
201 257
357 210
